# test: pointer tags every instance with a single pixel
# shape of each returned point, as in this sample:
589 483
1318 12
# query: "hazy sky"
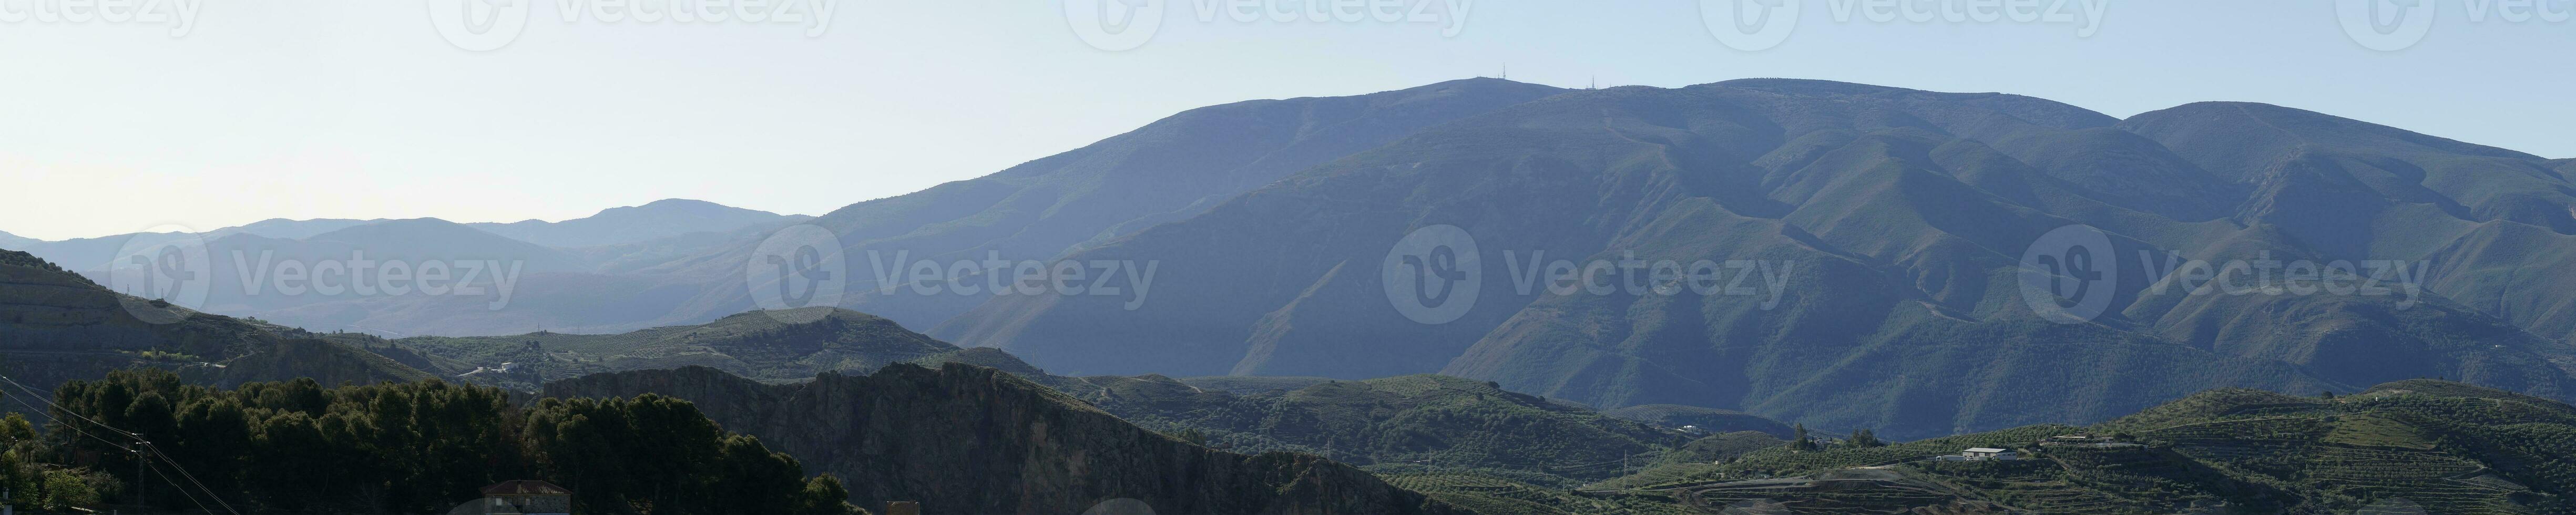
363 109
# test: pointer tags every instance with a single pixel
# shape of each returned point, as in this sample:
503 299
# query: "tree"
1799 441
1865 438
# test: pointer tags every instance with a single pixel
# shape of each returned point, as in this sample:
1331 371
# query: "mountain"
967 439
2414 446
634 224
1164 171
285 229
12 241
57 326
1879 234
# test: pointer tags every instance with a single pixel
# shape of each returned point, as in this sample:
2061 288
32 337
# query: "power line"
192 478
137 450
183 490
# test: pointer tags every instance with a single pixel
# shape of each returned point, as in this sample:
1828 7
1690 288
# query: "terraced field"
2412 447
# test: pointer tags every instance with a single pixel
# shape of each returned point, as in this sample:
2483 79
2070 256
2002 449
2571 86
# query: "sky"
199 114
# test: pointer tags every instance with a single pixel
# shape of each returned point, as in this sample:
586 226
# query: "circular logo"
1432 275
2386 25
1120 506
164 273
2068 275
800 266
1750 25
479 25
1114 25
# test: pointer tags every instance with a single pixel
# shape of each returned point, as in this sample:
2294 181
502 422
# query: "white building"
1989 453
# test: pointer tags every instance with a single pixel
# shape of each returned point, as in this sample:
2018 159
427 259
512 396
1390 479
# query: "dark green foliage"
1864 438
1406 423
421 447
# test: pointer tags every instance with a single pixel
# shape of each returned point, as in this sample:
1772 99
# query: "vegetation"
2441 446
297 446
1398 424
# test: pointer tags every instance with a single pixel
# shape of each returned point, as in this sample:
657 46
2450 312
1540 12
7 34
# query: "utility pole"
138 470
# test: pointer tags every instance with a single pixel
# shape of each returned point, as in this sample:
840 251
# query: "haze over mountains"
1894 223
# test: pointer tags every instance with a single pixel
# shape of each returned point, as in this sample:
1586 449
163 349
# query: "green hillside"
2443 447
57 326
418 447
968 439
1421 423
780 345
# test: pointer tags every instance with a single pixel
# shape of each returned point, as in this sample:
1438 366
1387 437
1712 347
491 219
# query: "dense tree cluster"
416 447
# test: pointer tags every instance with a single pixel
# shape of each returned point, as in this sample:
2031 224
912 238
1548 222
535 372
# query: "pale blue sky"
305 109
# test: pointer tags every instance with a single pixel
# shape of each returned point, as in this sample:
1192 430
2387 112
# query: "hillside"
1893 223
413 447
771 346
57 326
1709 420
1393 422
966 439
2439 446
1393 425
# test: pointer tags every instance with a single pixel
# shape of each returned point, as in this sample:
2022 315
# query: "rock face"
968 439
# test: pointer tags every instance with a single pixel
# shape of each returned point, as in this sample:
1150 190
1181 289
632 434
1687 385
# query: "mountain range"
1883 236
1901 218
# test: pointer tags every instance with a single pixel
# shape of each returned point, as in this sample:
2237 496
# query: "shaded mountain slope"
57 326
966 439
1894 222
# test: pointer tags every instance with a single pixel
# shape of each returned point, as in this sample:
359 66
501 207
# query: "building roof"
525 487
1985 449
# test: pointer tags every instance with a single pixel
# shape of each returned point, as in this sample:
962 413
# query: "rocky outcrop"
968 439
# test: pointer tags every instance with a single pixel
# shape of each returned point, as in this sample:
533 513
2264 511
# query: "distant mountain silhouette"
631 224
